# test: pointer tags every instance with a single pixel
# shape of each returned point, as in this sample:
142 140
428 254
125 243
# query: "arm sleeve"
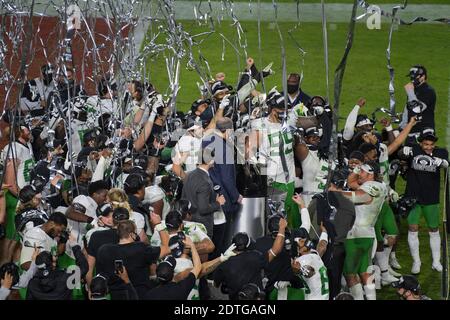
99 172
80 260
27 276
350 123
4 293
306 220
206 207
132 294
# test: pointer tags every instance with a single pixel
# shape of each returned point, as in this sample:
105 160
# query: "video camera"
403 206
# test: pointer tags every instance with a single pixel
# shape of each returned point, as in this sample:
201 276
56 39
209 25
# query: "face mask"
47 79
292 88
207 115
281 116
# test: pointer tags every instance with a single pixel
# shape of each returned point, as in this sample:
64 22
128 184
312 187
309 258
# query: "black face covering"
292 88
47 79
207 114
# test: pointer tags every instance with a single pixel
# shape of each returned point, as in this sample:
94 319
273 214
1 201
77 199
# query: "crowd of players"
129 199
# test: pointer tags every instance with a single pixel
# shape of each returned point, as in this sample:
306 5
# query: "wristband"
323 236
353 196
160 227
281 235
389 128
271 251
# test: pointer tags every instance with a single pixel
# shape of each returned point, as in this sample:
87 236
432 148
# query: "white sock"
382 261
392 255
435 244
370 291
387 251
357 291
413 241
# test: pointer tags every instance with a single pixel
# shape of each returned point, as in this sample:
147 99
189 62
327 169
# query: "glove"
357 170
225 102
228 253
393 195
440 162
282 285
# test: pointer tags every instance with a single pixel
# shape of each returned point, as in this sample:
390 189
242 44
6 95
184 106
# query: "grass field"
348 1
366 76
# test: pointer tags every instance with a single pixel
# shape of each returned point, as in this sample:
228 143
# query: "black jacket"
53 285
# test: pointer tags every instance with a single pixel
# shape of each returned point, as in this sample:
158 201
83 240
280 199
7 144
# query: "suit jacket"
198 189
223 173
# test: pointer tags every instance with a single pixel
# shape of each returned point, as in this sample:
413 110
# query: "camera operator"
421 102
282 283
50 283
408 288
168 289
135 255
45 237
10 278
248 264
337 213
110 218
425 161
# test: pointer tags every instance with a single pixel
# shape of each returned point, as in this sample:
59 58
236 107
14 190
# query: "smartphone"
118 266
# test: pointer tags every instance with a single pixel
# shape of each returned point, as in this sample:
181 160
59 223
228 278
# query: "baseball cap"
407 282
104 210
293 77
371 167
166 268
242 241
427 134
417 70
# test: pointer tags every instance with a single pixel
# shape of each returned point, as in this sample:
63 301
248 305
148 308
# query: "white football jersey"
367 214
316 286
191 145
315 174
24 156
271 138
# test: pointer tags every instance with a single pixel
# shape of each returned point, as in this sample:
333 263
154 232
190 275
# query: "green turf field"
366 76
347 1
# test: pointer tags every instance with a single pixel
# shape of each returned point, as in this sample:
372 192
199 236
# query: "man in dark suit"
198 189
223 174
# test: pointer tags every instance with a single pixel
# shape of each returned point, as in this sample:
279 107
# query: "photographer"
337 213
425 162
10 279
282 283
247 265
408 288
135 255
50 283
99 237
421 102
